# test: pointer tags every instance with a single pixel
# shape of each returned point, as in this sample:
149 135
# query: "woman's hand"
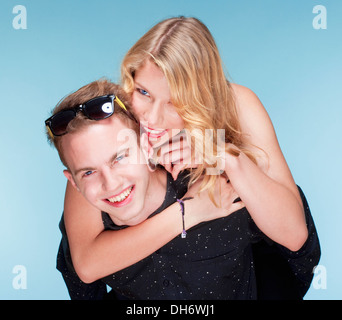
174 155
201 208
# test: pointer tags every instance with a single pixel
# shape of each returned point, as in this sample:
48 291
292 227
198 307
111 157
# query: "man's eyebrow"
113 157
111 160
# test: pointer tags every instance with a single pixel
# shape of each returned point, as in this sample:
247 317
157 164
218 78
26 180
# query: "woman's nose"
155 115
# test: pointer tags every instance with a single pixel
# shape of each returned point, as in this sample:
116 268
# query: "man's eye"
88 173
119 158
124 154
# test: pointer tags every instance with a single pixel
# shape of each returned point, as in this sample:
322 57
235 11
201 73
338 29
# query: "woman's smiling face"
151 101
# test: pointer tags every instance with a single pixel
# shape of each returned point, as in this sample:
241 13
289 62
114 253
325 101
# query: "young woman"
175 77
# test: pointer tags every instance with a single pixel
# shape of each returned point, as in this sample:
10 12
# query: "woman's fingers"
224 196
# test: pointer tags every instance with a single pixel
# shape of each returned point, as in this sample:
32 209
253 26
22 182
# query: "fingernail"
152 164
237 200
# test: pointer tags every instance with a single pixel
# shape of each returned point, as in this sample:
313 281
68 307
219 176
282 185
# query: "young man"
99 146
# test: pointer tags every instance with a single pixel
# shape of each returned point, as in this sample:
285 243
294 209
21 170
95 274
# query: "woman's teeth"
121 196
154 131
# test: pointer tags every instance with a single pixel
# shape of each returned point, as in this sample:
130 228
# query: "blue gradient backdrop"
268 46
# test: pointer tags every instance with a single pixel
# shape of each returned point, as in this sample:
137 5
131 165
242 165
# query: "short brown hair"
92 90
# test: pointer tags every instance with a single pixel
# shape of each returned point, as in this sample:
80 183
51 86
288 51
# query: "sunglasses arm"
120 103
51 135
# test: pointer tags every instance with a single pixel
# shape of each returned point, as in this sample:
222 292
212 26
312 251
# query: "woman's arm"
268 189
97 253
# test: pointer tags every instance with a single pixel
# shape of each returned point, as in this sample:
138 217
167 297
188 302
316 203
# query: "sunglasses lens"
60 121
96 109
99 108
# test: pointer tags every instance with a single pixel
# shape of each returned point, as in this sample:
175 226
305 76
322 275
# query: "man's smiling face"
109 171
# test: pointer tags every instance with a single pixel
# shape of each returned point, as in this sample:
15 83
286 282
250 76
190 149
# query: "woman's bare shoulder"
246 100
258 129
253 117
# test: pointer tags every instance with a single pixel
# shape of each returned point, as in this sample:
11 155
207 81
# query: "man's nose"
110 180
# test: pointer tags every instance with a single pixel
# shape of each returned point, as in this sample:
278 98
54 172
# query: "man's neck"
156 191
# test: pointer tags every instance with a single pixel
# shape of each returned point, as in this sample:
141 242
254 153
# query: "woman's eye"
143 92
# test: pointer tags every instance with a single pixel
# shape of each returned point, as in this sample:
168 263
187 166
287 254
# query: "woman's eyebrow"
138 84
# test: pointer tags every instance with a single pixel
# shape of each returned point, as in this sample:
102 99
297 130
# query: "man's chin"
131 221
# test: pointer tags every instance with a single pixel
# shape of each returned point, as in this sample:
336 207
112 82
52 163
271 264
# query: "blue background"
269 46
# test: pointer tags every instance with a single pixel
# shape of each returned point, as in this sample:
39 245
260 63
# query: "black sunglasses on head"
98 108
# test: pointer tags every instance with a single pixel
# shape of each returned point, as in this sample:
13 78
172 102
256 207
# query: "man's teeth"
121 196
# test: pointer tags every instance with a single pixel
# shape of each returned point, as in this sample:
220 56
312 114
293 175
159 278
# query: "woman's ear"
69 176
147 151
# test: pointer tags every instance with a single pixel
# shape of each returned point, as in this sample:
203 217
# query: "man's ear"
69 176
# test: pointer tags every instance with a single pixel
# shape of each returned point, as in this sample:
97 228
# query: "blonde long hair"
184 49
